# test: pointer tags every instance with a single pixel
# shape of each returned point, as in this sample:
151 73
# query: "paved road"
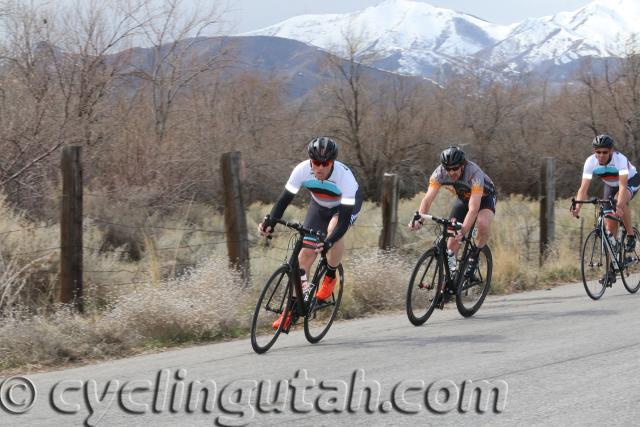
565 360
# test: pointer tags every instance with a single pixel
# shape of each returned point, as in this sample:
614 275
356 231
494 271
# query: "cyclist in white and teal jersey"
335 204
617 172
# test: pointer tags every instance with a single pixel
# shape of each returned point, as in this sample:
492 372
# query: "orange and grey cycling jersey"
472 181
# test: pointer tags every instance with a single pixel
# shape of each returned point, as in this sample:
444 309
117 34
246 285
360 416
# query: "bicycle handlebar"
594 201
442 221
297 227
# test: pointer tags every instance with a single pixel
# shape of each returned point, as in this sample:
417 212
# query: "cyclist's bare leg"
623 197
334 255
453 245
611 225
483 225
306 257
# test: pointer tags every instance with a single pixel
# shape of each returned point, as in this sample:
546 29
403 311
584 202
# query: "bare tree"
178 53
55 63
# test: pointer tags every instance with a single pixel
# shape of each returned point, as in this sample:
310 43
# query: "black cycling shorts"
318 217
461 208
633 185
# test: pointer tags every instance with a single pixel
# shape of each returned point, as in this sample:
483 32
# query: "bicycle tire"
421 295
276 297
321 315
630 274
593 251
470 296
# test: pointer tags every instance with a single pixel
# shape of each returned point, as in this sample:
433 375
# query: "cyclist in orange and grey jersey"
475 203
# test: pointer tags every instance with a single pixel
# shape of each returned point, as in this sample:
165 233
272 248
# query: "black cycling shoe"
612 279
630 244
470 274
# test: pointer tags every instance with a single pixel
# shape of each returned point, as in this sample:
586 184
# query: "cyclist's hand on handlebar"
323 247
416 222
265 228
575 210
458 231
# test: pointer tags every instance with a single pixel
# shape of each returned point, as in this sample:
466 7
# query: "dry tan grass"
204 303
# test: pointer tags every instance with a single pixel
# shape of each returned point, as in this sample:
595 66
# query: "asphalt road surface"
550 357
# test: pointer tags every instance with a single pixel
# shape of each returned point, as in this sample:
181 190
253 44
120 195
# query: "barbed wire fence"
176 250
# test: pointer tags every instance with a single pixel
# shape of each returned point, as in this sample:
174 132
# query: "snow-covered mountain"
416 38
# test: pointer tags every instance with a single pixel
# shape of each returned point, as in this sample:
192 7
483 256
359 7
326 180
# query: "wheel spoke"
471 295
594 262
323 313
422 299
274 300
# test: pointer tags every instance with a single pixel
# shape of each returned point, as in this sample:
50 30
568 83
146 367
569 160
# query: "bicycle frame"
600 226
303 306
441 249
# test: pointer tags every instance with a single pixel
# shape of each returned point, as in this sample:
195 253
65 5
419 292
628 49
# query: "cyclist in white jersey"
617 173
335 204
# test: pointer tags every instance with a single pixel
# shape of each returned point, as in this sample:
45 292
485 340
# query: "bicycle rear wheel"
471 292
322 313
631 272
275 299
594 265
423 292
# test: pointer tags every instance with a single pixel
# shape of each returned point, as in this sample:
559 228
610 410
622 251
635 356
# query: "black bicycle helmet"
322 149
452 156
603 141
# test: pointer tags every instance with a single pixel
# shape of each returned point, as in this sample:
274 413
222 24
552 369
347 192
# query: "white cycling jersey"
338 189
611 172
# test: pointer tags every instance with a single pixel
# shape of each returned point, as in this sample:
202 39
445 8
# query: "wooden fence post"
71 228
389 205
547 205
235 220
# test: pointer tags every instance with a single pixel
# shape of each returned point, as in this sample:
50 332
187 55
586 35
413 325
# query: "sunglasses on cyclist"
323 164
452 168
602 153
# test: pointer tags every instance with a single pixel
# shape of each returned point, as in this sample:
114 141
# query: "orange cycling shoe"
326 288
276 323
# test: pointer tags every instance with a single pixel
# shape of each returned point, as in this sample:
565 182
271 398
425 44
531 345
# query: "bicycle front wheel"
594 265
472 291
631 271
424 287
322 313
275 299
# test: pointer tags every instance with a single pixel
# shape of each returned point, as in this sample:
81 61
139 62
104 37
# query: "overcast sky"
250 15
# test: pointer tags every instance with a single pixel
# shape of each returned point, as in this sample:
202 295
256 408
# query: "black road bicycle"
602 257
283 293
432 283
